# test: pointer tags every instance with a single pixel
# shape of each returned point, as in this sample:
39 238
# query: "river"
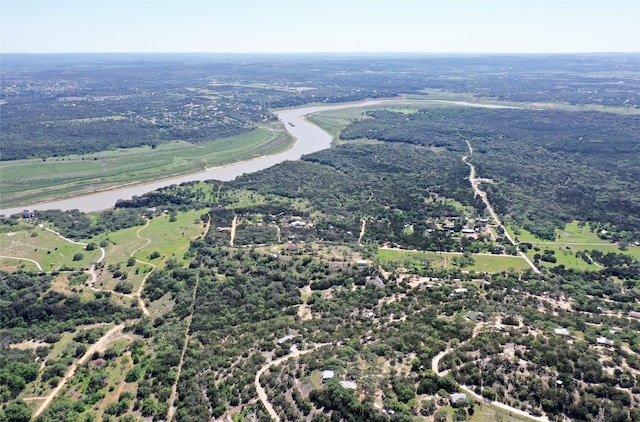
309 138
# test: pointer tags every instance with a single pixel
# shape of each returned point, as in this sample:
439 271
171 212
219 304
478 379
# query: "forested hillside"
546 167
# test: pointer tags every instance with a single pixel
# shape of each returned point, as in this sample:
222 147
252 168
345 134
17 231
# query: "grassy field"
30 180
409 259
497 263
418 259
333 121
169 239
572 239
49 250
488 413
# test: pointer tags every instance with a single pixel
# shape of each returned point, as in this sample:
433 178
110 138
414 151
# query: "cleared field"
497 263
572 239
489 413
44 247
333 121
31 180
389 258
418 259
170 239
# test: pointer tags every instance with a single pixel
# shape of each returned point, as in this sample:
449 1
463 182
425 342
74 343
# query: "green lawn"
389 258
170 239
574 233
30 180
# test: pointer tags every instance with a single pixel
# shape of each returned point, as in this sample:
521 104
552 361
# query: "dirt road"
475 184
262 395
234 223
362 231
101 344
23 259
138 294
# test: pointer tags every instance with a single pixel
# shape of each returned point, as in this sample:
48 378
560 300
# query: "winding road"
262 394
435 363
143 307
24 259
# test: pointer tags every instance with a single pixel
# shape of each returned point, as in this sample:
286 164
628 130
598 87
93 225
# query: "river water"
309 138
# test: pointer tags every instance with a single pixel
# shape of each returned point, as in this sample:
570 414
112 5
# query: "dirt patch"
304 312
28 344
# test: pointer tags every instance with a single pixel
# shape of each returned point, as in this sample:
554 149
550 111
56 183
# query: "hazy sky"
495 26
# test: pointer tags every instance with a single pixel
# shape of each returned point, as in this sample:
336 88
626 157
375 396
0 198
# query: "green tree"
149 406
16 411
440 416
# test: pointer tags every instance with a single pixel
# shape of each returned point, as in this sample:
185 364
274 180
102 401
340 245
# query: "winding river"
309 138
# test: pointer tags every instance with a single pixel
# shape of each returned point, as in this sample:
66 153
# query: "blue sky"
239 26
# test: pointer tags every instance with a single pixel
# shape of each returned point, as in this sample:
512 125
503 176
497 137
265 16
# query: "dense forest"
562 166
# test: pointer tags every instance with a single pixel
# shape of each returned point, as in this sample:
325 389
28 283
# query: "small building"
297 224
561 331
603 341
286 338
377 281
362 263
327 375
460 290
634 314
458 399
292 247
349 385
475 316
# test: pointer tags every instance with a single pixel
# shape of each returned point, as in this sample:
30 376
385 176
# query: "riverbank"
309 139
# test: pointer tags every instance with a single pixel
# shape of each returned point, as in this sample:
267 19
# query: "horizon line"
440 53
